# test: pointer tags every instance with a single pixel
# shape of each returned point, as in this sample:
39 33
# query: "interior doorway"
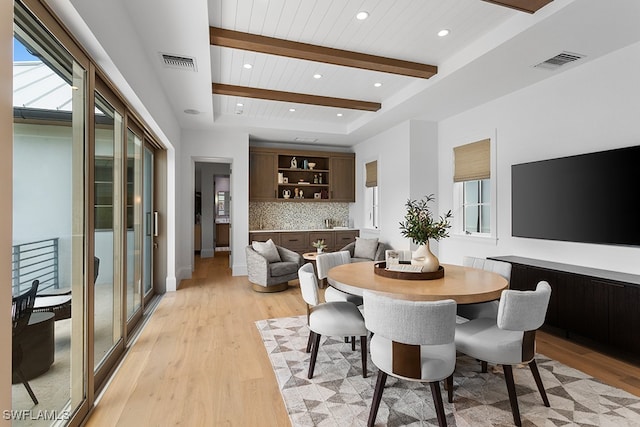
212 208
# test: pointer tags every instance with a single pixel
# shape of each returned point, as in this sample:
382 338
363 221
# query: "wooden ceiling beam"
529 6
310 52
297 98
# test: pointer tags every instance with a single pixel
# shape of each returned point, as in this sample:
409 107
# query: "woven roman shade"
472 161
371 170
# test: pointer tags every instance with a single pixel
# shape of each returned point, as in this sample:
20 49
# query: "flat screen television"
588 198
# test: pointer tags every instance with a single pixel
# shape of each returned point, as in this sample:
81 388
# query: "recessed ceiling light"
292 110
377 84
317 76
248 66
443 33
339 114
239 104
191 111
361 16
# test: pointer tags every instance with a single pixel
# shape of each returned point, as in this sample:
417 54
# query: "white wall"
407 168
219 147
590 108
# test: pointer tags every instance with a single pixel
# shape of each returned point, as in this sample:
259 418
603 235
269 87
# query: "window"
371 195
472 177
476 207
103 193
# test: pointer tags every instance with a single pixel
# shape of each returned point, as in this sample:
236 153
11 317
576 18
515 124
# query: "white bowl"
312 165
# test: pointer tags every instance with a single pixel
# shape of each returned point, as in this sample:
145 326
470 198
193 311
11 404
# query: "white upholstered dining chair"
324 263
414 341
510 338
484 309
335 319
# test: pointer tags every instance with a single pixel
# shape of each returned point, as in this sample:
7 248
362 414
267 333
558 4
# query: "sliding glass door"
49 222
83 222
134 234
108 231
149 222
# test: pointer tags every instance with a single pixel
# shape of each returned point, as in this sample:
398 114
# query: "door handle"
155 223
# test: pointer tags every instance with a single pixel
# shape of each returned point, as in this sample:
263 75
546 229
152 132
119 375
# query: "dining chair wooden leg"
448 385
437 401
536 376
314 355
484 366
353 343
363 354
377 397
24 381
513 398
310 341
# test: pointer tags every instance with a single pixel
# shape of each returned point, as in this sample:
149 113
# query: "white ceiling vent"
559 60
179 62
306 139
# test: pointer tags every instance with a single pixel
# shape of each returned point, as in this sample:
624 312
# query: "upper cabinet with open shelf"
278 175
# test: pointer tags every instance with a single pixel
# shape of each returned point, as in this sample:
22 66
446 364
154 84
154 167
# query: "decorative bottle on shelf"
305 164
319 178
315 179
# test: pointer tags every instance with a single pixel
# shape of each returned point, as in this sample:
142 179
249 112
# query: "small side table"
311 257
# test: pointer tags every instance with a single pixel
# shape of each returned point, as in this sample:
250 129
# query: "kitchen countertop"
308 229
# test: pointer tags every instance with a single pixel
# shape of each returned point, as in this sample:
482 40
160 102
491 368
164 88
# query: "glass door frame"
132 321
152 220
101 374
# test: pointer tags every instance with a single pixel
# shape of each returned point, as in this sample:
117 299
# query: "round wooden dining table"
465 285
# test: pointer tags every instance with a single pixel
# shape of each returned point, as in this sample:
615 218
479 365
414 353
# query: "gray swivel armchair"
272 273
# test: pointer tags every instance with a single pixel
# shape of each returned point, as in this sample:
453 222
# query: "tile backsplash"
296 215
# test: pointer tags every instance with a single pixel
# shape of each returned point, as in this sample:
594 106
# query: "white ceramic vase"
424 257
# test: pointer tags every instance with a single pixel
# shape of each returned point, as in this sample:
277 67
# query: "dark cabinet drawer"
343 238
327 236
263 237
296 241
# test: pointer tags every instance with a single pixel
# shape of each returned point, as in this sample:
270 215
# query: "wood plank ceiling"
260 44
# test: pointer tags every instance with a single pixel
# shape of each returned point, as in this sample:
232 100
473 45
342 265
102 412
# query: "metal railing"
35 260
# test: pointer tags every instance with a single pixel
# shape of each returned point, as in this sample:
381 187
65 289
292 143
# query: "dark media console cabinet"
595 307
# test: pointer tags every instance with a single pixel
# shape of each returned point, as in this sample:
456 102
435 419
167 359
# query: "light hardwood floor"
200 361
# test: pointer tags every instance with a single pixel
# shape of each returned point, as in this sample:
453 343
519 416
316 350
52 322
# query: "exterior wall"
590 108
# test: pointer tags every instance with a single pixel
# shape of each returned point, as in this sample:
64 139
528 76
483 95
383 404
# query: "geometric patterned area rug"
339 396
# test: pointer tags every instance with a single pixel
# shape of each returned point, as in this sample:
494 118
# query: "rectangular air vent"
559 60
305 139
179 62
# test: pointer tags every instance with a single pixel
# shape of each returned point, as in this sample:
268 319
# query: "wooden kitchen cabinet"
301 240
264 236
327 177
328 237
342 185
344 237
262 175
222 235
